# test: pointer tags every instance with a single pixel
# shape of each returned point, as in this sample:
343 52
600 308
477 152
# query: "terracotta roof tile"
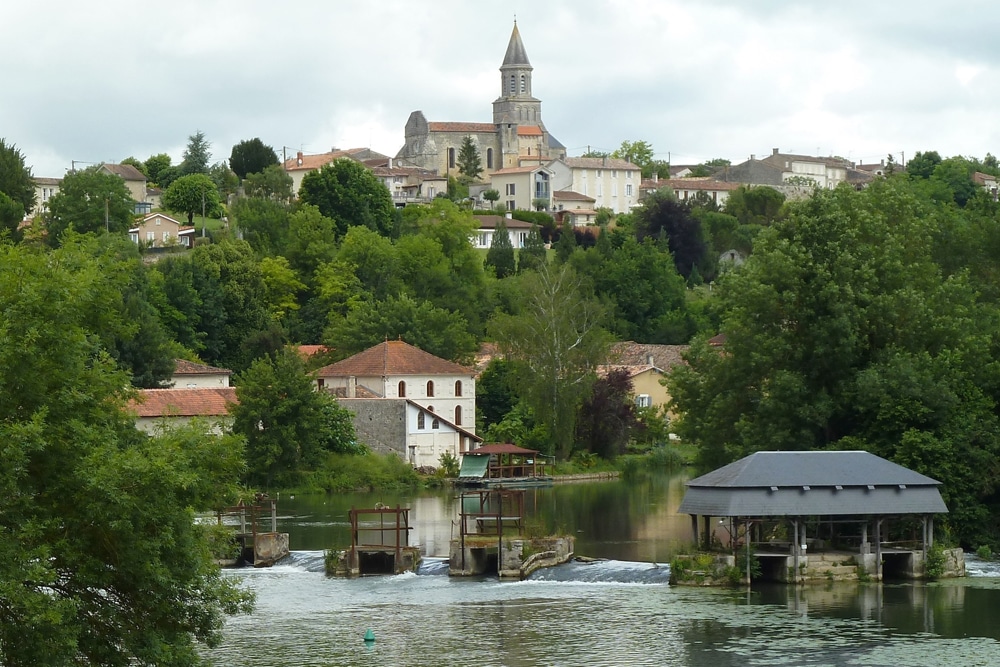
529 131
185 367
599 163
311 162
212 402
569 195
664 357
393 357
461 127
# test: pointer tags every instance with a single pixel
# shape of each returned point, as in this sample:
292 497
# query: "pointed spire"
516 55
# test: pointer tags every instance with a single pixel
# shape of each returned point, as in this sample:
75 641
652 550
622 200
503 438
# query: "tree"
441 332
842 333
533 254
102 513
197 155
608 416
662 217
194 193
11 216
282 417
757 205
470 166
90 201
922 165
501 253
639 153
155 164
557 342
272 182
350 194
226 181
492 196
495 396
263 223
251 156
16 180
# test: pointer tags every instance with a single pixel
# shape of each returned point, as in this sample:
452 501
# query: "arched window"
458 415
401 389
513 85
524 85
451 158
430 388
489 158
458 387
421 423
435 423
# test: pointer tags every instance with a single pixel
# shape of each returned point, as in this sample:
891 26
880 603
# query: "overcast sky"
103 80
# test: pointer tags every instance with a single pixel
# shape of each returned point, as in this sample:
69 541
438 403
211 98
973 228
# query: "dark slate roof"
516 55
812 484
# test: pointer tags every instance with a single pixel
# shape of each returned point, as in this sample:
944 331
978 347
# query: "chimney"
656 177
352 387
649 360
774 151
752 157
298 159
508 215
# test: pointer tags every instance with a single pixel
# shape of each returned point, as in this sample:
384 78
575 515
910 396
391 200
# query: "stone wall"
379 423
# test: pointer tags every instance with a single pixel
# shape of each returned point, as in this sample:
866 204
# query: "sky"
90 82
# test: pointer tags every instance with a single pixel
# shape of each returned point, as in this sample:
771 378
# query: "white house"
523 187
613 184
154 408
191 375
517 231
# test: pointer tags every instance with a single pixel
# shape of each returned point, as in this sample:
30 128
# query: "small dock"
260 543
504 465
380 544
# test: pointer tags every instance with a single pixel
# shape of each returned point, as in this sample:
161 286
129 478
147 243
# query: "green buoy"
369 637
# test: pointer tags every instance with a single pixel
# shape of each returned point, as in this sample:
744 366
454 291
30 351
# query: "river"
617 611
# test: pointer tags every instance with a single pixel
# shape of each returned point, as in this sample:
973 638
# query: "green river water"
617 611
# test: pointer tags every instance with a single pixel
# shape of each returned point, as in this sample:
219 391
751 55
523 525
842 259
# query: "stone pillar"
866 547
878 549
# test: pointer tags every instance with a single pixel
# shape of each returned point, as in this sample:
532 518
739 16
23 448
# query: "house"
517 136
686 189
795 175
45 188
525 187
647 365
613 183
575 208
987 182
159 230
300 165
517 230
135 181
191 375
440 397
408 185
156 408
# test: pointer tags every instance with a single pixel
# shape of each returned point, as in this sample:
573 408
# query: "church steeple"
516 104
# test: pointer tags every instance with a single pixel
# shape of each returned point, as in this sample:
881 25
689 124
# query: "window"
513 85
524 85
320 383
511 204
451 158
628 174
435 423
600 173
628 189
430 387
421 423
458 415
150 236
458 387
489 158
510 189
401 389
614 173
643 401
157 222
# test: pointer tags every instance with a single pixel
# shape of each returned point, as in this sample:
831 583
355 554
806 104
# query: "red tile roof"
570 195
185 367
126 171
529 131
629 353
311 162
393 357
212 402
461 127
501 448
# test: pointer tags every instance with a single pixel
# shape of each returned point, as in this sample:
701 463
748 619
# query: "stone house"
156 408
135 181
191 375
45 188
689 188
647 365
438 398
300 165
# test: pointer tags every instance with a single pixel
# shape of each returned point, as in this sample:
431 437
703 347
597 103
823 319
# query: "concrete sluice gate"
379 562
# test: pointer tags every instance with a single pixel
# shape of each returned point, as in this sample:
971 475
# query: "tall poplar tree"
501 253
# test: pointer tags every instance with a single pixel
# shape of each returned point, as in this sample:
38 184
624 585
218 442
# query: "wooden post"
694 529
795 551
878 549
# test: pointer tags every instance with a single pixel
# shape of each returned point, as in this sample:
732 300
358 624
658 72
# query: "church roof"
461 127
516 55
529 131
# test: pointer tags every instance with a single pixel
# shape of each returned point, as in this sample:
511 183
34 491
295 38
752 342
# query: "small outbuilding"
841 493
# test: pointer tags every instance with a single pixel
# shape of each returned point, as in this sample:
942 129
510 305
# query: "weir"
257 537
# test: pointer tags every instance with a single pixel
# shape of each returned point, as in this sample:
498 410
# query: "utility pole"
107 227
203 213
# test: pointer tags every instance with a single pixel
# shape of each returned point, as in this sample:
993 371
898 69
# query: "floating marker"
369 637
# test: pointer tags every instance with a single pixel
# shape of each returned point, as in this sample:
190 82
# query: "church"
517 137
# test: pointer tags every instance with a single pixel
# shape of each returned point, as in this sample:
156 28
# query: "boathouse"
767 500
504 464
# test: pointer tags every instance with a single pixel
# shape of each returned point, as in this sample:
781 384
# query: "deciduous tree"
16 180
155 164
90 201
350 194
194 193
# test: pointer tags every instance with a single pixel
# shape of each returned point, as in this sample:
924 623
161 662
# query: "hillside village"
481 285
